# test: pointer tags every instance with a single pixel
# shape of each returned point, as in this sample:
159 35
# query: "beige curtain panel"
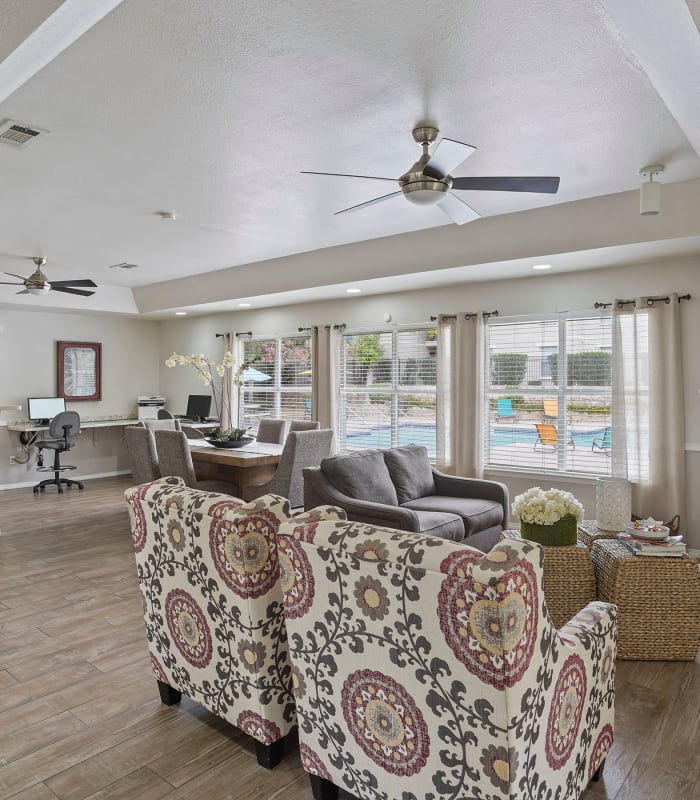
325 347
460 386
648 437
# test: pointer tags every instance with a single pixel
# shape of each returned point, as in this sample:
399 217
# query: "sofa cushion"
478 515
363 476
440 524
410 472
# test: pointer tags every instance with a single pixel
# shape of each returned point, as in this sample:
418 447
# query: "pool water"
425 435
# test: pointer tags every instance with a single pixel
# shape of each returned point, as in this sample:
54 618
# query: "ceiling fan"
429 182
37 282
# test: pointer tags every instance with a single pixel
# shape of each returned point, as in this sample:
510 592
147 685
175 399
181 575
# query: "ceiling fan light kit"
650 191
429 182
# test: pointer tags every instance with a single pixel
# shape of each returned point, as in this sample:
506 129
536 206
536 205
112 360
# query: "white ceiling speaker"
650 191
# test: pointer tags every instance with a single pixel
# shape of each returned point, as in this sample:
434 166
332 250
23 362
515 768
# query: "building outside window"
278 380
386 388
548 394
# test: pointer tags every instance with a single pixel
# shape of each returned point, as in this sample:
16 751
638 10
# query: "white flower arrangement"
221 389
539 507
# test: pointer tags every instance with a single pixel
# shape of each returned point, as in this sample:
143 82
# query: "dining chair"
175 459
141 447
271 430
304 425
302 449
161 424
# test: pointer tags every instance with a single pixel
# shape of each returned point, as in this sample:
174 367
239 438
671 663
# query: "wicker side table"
589 532
658 602
569 581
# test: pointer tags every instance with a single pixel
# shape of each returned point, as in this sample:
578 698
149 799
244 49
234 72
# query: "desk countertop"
26 425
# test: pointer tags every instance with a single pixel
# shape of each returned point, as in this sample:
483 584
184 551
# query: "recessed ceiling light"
244 305
542 266
180 313
353 291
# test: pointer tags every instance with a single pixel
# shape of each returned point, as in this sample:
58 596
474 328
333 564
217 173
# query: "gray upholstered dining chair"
141 447
271 430
160 424
304 425
301 449
174 458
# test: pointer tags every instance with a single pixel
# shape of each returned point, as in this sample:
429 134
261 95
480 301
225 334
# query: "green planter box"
560 534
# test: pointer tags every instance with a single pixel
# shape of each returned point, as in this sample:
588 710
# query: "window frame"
562 391
393 391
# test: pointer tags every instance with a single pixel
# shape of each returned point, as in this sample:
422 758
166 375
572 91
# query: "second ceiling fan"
429 182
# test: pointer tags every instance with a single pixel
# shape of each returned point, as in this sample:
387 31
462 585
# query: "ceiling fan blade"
83 282
513 184
370 203
7 283
344 175
68 290
457 210
23 279
446 157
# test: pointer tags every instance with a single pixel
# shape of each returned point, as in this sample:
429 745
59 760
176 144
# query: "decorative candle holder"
613 503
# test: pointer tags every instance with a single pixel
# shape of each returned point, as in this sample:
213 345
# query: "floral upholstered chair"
425 669
208 572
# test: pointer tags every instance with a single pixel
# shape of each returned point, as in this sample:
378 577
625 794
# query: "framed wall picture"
79 370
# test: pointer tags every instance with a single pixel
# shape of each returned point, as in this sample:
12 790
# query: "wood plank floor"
80 717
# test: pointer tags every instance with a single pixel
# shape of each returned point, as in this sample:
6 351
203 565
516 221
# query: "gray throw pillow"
363 476
410 472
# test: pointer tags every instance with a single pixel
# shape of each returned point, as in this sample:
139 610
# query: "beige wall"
130 360
541 294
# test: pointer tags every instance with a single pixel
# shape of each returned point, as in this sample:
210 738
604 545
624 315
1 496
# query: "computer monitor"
198 407
43 409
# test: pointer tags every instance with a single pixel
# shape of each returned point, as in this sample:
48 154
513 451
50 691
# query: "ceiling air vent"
123 265
17 135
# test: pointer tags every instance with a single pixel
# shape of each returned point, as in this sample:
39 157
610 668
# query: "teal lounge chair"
603 444
504 409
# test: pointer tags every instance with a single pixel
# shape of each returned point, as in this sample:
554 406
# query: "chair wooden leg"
269 755
168 695
598 774
323 789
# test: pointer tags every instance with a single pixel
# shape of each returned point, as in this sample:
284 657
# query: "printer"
149 405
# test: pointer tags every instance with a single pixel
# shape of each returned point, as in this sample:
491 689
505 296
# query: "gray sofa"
398 488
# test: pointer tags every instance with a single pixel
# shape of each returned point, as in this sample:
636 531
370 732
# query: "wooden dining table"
254 463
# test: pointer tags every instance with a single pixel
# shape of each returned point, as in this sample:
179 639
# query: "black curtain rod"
650 301
468 315
244 333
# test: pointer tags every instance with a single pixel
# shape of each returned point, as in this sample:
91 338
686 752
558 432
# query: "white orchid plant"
539 507
213 376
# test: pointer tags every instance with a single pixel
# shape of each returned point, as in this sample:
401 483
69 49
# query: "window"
548 394
387 388
277 382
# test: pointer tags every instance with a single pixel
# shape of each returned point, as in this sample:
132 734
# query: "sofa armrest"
456 486
318 491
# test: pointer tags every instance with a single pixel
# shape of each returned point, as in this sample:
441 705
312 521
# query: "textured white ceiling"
210 109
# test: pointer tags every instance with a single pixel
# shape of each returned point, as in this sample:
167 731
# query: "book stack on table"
670 546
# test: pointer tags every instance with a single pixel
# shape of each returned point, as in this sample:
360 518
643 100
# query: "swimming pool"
425 435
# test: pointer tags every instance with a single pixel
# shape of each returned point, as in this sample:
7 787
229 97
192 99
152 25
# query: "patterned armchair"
208 573
426 669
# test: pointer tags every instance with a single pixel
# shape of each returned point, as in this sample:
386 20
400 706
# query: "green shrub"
508 369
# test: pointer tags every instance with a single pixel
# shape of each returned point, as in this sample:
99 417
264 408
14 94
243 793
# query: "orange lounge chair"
551 408
547 435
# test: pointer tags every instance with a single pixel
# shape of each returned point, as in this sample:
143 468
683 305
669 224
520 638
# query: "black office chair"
163 413
62 428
